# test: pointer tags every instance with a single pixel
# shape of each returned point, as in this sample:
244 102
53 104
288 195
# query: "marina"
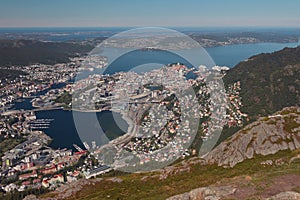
40 124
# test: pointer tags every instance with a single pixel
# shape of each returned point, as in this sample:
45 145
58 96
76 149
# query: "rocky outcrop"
30 197
66 191
205 193
285 196
268 135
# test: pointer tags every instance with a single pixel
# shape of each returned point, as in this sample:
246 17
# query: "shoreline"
122 139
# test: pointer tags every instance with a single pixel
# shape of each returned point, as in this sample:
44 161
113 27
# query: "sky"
139 13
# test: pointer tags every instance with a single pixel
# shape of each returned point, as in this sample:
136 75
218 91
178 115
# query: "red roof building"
61 166
49 170
29 175
36 180
26 183
81 152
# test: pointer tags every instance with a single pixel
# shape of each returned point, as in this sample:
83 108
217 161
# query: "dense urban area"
29 164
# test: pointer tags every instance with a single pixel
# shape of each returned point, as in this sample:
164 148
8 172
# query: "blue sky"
106 13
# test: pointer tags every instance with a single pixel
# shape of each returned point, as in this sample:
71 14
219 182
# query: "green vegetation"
146 113
268 82
290 124
9 143
20 195
296 189
71 168
65 98
197 142
228 132
6 181
154 87
26 52
12 120
149 186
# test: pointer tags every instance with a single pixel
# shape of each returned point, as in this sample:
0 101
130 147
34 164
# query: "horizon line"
221 26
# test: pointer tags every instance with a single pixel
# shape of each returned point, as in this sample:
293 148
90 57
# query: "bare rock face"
66 191
30 197
205 193
285 196
266 136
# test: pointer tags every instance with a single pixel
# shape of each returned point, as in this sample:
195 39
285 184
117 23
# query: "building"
35 181
28 175
98 171
50 170
61 166
26 183
27 166
58 178
45 183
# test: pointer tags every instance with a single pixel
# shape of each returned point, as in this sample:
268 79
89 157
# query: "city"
33 164
149 100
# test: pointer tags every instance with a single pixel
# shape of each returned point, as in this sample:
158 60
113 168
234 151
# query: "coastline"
131 130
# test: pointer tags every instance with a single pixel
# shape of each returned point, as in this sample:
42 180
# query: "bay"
62 129
231 55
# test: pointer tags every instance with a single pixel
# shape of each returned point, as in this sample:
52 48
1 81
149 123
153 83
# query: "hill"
25 52
267 173
269 82
266 136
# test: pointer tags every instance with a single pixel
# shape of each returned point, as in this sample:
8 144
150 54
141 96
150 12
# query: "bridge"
10 112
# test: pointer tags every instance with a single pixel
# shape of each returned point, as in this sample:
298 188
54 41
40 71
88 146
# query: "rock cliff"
268 135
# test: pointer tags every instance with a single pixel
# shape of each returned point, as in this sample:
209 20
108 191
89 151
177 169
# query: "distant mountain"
25 52
226 38
269 81
266 136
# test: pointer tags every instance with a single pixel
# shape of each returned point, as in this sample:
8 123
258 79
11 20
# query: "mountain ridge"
266 136
26 52
269 81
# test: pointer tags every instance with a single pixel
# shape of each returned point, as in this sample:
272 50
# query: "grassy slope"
132 187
